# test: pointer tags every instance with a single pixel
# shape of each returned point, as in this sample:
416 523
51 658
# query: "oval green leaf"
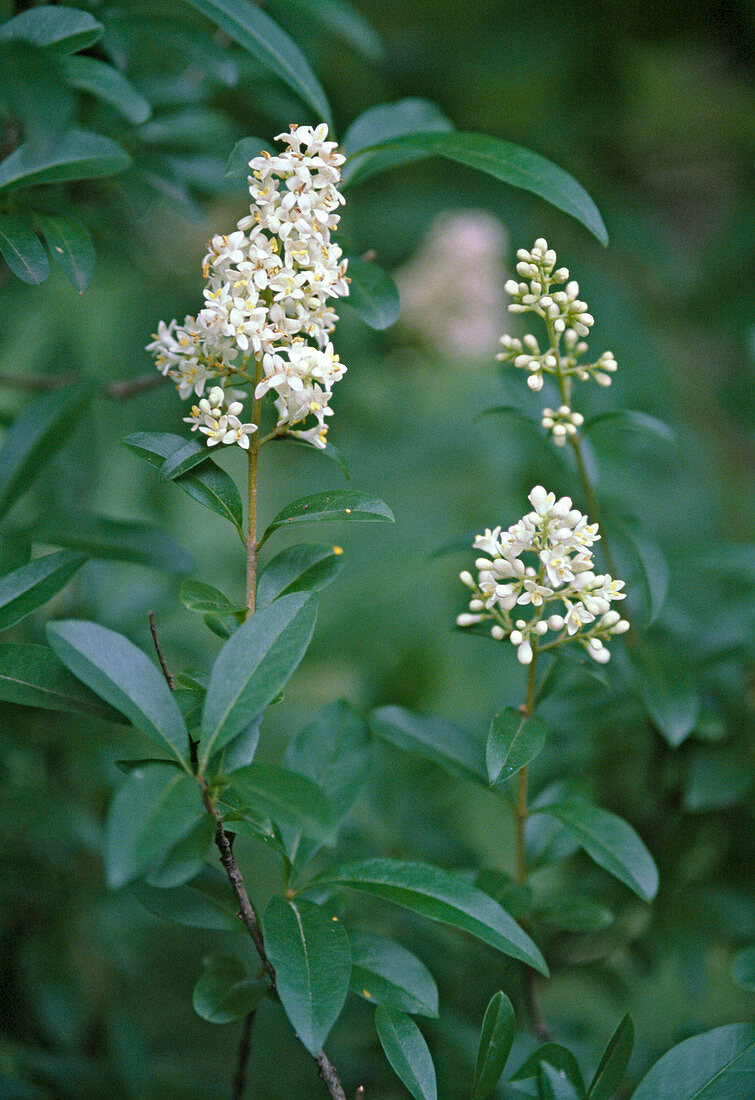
310 953
253 666
342 20
611 842
22 251
385 973
242 152
34 677
575 914
205 902
440 896
99 79
117 540
717 1065
225 992
124 677
668 689
614 1062
407 1052
79 155
65 30
559 1059
496 1038
630 418
341 505
206 600
183 459
303 568
287 797
513 742
71 247
27 588
373 294
453 748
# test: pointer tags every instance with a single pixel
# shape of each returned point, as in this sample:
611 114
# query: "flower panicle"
268 289
544 563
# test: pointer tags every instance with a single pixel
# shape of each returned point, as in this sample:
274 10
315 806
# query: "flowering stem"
252 546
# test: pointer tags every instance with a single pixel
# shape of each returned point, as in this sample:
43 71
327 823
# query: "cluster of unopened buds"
266 317
561 423
567 321
544 562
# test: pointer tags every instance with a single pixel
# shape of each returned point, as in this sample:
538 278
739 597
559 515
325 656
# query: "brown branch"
532 1000
245 1048
327 1071
117 391
159 651
121 391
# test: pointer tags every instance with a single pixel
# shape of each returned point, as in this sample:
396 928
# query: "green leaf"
287 797
154 447
714 779
253 666
340 505
496 1038
79 155
743 968
66 30
329 450
505 161
34 677
244 151
453 748
205 902
124 677
441 896
27 588
614 1062
183 459
43 426
206 600
310 953
186 858
386 974
717 1065
302 568
22 251
512 412
70 246
242 748
611 842
225 992
342 20
117 540
555 1085
153 810
382 123
335 752
546 841
668 690
406 1050
267 43
576 914
87 74
559 1058
630 418
373 294
513 742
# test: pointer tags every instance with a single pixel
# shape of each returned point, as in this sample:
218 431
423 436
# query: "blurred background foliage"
646 107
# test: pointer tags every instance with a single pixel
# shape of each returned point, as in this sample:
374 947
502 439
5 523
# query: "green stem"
521 809
252 546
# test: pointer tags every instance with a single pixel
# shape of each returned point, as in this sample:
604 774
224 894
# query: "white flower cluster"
219 421
567 322
559 584
267 294
561 423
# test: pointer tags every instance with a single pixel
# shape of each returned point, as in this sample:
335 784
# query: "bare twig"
117 391
159 651
121 391
245 1048
327 1071
532 999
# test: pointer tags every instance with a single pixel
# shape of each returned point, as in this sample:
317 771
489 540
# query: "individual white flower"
220 422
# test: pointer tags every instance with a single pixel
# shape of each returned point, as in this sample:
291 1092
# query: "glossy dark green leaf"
87 74
515 897
215 489
335 752
27 588
575 914
555 1085
303 568
743 968
289 798
63 29
22 250
513 742
547 841
43 426
312 960
342 20
717 1065
151 812
253 666
373 294
341 505
453 748
124 677
406 1050
611 842
71 247
512 164
79 155
185 860
441 896
559 1058
34 677
613 1063
154 447
509 412
117 540
630 418
386 974
206 600
668 690
496 1038
206 902
183 459
381 123
244 151
225 992
256 32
